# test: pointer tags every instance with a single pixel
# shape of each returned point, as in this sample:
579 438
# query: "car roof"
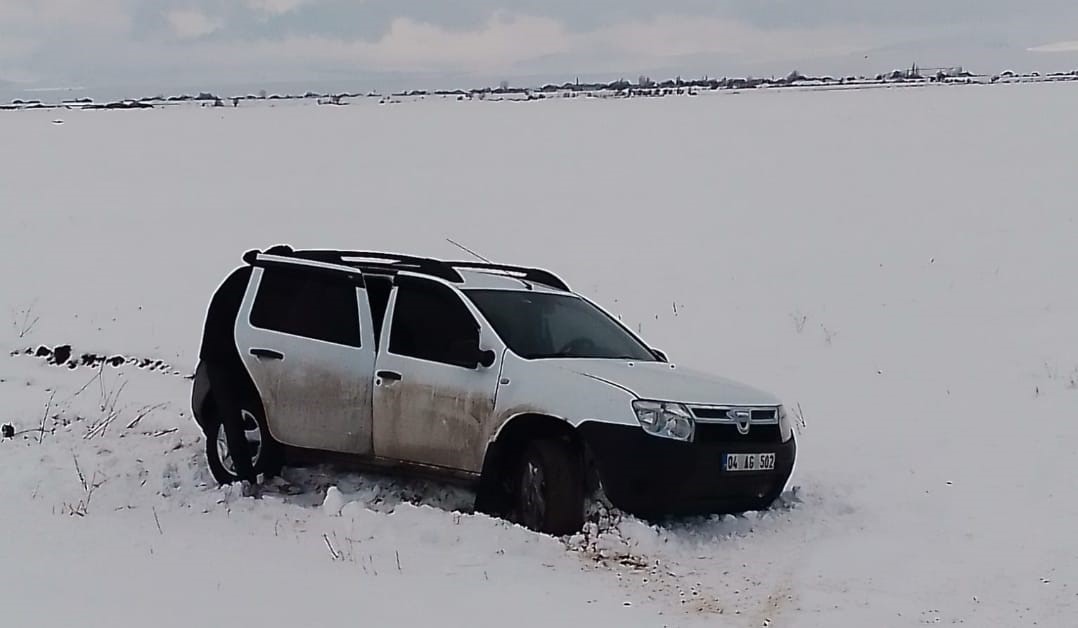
464 275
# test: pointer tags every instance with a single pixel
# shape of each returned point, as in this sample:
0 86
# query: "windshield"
542 325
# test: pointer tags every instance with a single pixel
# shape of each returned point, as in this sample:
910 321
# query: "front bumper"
651 476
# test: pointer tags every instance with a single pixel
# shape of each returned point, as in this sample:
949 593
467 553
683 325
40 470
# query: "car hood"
665 382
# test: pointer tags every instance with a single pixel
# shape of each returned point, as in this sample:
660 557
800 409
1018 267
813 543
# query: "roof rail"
393 262
386 261
365 260
536 275
283 250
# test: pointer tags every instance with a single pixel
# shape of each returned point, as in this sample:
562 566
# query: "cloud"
1059 46
133 40
277 7
672 37
16 47
408 46
498 45
44 16
510 43
192 23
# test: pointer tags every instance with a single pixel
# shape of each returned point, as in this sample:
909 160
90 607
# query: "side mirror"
661 355
467 354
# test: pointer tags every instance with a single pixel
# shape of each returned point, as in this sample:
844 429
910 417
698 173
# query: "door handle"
389 376
268 354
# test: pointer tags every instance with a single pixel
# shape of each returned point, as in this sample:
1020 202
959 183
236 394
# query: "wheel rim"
254 443
532 491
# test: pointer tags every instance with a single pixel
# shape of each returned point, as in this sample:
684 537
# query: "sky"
58 43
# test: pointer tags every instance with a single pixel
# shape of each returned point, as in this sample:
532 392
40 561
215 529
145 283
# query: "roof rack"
535 275
393 262
374 260
363 260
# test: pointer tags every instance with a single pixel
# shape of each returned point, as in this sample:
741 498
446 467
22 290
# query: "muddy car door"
305 336
435 378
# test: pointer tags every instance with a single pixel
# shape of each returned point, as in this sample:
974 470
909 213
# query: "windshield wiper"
571 355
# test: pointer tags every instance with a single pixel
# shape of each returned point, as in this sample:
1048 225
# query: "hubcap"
254 443
533 502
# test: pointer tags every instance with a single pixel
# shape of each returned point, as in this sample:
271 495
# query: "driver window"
430 322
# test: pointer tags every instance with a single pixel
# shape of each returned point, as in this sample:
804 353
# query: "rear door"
305 336
431 399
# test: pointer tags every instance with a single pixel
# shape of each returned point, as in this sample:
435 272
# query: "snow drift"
896 265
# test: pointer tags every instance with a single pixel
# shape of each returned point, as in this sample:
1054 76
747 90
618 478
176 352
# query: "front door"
307 340
431 399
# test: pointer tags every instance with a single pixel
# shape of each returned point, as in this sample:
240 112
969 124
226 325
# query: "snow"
334 501
895 264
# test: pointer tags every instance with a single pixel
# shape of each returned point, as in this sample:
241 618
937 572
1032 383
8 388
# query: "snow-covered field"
900 265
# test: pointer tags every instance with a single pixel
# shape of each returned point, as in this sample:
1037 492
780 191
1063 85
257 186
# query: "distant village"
643 87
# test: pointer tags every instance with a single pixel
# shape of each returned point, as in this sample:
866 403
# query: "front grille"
761 415
727 433
710 413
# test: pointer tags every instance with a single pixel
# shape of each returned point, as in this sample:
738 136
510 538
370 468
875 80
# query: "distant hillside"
642 86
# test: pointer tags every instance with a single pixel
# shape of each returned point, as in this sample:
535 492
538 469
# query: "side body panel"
319 395
549 387
435 414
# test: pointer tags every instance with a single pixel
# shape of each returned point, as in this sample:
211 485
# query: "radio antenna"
460 246
468 251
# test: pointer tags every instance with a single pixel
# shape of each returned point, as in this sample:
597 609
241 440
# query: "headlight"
786 425
668 420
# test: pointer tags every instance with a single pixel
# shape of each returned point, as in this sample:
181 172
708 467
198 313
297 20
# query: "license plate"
748 462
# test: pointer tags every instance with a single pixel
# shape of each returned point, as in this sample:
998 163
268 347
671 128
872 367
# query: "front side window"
308 305
539 325
430 322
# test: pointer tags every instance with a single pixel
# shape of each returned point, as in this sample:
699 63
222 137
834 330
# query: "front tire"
550 488
264 451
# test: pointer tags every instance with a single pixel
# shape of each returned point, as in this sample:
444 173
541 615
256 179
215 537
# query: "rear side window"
430 322
308 305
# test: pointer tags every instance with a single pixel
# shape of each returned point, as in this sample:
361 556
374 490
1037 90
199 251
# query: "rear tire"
266 458
549 494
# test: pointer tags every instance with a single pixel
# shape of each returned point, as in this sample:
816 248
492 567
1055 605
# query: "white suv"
499 376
